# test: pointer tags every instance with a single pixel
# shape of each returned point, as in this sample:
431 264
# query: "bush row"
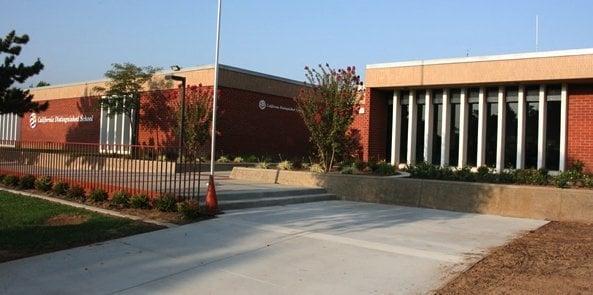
347 167
570 178
121 199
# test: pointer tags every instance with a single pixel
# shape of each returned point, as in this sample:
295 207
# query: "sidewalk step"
266 193
273 201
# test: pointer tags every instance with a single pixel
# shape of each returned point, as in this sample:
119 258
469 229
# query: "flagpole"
215 96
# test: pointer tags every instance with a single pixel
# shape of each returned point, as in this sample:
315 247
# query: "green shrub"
360 165
165 203
60 188
43 183
238 160
285 165
425 170
588 181
348 170
577 166
563 180
505 177
262 165
76 193
251 159
317 168
120 199
384 169
27 182
140 202
223 159
98 196
464 174
11 180
2 177
189 209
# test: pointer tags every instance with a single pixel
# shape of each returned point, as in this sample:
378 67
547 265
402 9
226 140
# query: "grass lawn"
30 226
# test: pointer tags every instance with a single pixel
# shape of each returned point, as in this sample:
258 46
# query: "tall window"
116 132
511 123
420 98
437 126
454 126
403 147
531 126
491 125
553 127
9 129
472 132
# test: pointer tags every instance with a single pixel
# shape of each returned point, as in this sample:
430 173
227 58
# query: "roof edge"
512 56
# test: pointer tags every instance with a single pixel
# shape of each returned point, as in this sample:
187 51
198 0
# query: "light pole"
215 96
182 119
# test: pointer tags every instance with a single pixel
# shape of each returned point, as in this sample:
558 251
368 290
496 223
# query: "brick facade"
372 125
580 118
82 132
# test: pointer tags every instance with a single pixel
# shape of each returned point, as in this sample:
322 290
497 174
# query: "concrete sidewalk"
332 247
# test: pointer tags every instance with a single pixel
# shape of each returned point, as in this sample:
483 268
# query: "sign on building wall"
35 119
263 105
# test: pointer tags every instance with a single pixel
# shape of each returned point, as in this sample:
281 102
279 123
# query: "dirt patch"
65 219
554 259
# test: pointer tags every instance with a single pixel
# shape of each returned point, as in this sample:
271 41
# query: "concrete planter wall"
506 200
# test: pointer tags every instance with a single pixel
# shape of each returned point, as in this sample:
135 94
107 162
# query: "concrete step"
267 193
273 201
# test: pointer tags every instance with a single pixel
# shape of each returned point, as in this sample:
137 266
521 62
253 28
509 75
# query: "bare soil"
66 219
554 259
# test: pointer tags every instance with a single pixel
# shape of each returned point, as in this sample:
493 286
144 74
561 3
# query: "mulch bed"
554 259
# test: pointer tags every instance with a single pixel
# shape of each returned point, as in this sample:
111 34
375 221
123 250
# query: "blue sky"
78 40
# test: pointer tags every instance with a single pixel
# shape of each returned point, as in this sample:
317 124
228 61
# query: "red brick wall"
158 118
84 132
580 118
372 125
244 128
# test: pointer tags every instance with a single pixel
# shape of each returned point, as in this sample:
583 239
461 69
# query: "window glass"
491 133
472 134
531 127
437 127
510 147
403 147
553 135
420 133
115 132
454 139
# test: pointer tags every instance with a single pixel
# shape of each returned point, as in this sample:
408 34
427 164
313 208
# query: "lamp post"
215 96
182 119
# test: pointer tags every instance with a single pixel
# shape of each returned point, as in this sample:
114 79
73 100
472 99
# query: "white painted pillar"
563 126
481 129
412 118
541 128
521 114
445 129
396 128
463 126
500 136
428 123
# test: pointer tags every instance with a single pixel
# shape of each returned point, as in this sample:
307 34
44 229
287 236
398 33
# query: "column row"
500 127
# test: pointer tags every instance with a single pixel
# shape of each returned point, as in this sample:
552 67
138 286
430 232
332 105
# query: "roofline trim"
514 56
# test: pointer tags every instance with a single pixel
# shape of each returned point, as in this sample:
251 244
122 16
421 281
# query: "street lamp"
215 96
182 98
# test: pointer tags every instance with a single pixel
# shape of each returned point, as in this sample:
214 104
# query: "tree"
42 84
123 89
327 106
198 115
13 99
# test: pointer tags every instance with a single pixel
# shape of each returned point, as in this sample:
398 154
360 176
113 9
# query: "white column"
481 129
541 128
500 136
395 128
563 126
445 129
428 123
412 128
521 128
463 126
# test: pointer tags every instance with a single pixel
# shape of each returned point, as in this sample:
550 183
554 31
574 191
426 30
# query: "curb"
91 208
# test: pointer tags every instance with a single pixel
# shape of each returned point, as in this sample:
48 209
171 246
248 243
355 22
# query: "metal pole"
213 139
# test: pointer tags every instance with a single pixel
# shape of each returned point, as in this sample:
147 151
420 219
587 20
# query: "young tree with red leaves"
327 106
198 115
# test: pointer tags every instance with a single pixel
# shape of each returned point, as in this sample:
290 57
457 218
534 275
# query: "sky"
78 40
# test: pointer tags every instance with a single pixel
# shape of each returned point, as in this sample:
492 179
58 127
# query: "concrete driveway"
332 247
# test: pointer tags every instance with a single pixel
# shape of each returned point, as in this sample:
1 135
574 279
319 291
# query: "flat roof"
470 59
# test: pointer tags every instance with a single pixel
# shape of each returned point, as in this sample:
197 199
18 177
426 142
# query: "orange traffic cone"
211 199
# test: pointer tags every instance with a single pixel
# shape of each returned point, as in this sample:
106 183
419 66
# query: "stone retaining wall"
506 200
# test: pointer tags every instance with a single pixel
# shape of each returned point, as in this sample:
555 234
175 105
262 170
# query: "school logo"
262 104
33 120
